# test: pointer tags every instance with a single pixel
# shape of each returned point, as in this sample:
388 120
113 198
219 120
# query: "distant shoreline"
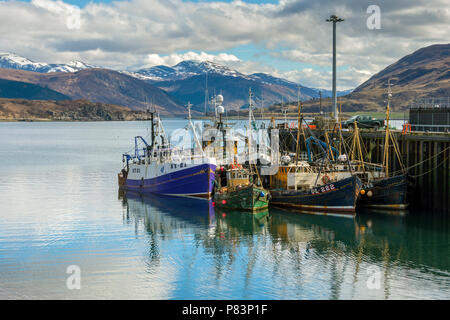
170 117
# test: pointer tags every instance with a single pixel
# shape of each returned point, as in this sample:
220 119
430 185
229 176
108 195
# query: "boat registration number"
323 189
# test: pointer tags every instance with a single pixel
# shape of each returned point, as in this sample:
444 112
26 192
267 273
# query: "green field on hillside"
380 115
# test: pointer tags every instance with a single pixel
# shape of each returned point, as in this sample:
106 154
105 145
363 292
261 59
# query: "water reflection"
284 255
59 207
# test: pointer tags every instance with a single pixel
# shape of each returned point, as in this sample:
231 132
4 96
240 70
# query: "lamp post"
334 19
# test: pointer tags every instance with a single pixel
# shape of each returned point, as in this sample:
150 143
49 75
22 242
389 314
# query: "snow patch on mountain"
10 60
187 69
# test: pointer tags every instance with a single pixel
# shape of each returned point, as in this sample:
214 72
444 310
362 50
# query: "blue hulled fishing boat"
155 168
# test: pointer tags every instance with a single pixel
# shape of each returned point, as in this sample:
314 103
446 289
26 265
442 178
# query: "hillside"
76 110
423 74
101 85
22 90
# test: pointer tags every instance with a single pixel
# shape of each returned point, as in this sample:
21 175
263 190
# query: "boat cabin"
237 177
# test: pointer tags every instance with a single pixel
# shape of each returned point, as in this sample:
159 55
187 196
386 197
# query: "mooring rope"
431 170
428 159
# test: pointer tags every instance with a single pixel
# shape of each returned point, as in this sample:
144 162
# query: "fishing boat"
156 168
315 186
307 193
240 193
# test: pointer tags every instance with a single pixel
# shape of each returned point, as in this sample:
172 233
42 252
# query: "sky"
285 38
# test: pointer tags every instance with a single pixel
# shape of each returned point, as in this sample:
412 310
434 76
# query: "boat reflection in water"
221 254
182 212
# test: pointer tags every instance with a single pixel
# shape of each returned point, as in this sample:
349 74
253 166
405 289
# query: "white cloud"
173 59
71 14
138 33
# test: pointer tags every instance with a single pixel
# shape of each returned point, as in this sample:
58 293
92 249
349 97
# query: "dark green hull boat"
248 198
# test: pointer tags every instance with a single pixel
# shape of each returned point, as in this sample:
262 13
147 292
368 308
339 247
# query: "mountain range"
185 82
188 81
13 61
423 73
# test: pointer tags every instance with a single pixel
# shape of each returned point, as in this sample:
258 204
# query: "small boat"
240 193
336 198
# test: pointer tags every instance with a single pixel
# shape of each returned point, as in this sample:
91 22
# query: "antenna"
262 104
206 91
389 91
320 101
189 105
284 110
146 105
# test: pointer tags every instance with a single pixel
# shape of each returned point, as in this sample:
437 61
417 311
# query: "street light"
334 19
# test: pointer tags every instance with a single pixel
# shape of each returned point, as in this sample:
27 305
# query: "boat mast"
152 127
390 137
196 140
249 124
299 126
386 138
206 92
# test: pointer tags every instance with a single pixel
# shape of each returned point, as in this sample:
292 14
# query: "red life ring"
325 179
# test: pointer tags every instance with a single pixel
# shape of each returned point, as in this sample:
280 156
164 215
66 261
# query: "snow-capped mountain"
180 71
186 69
190 68
13 61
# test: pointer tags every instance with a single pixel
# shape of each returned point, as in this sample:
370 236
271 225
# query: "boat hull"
251 198
387 193
338 198
194 181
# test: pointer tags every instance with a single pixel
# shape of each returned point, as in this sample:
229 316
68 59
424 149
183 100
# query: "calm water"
60 206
